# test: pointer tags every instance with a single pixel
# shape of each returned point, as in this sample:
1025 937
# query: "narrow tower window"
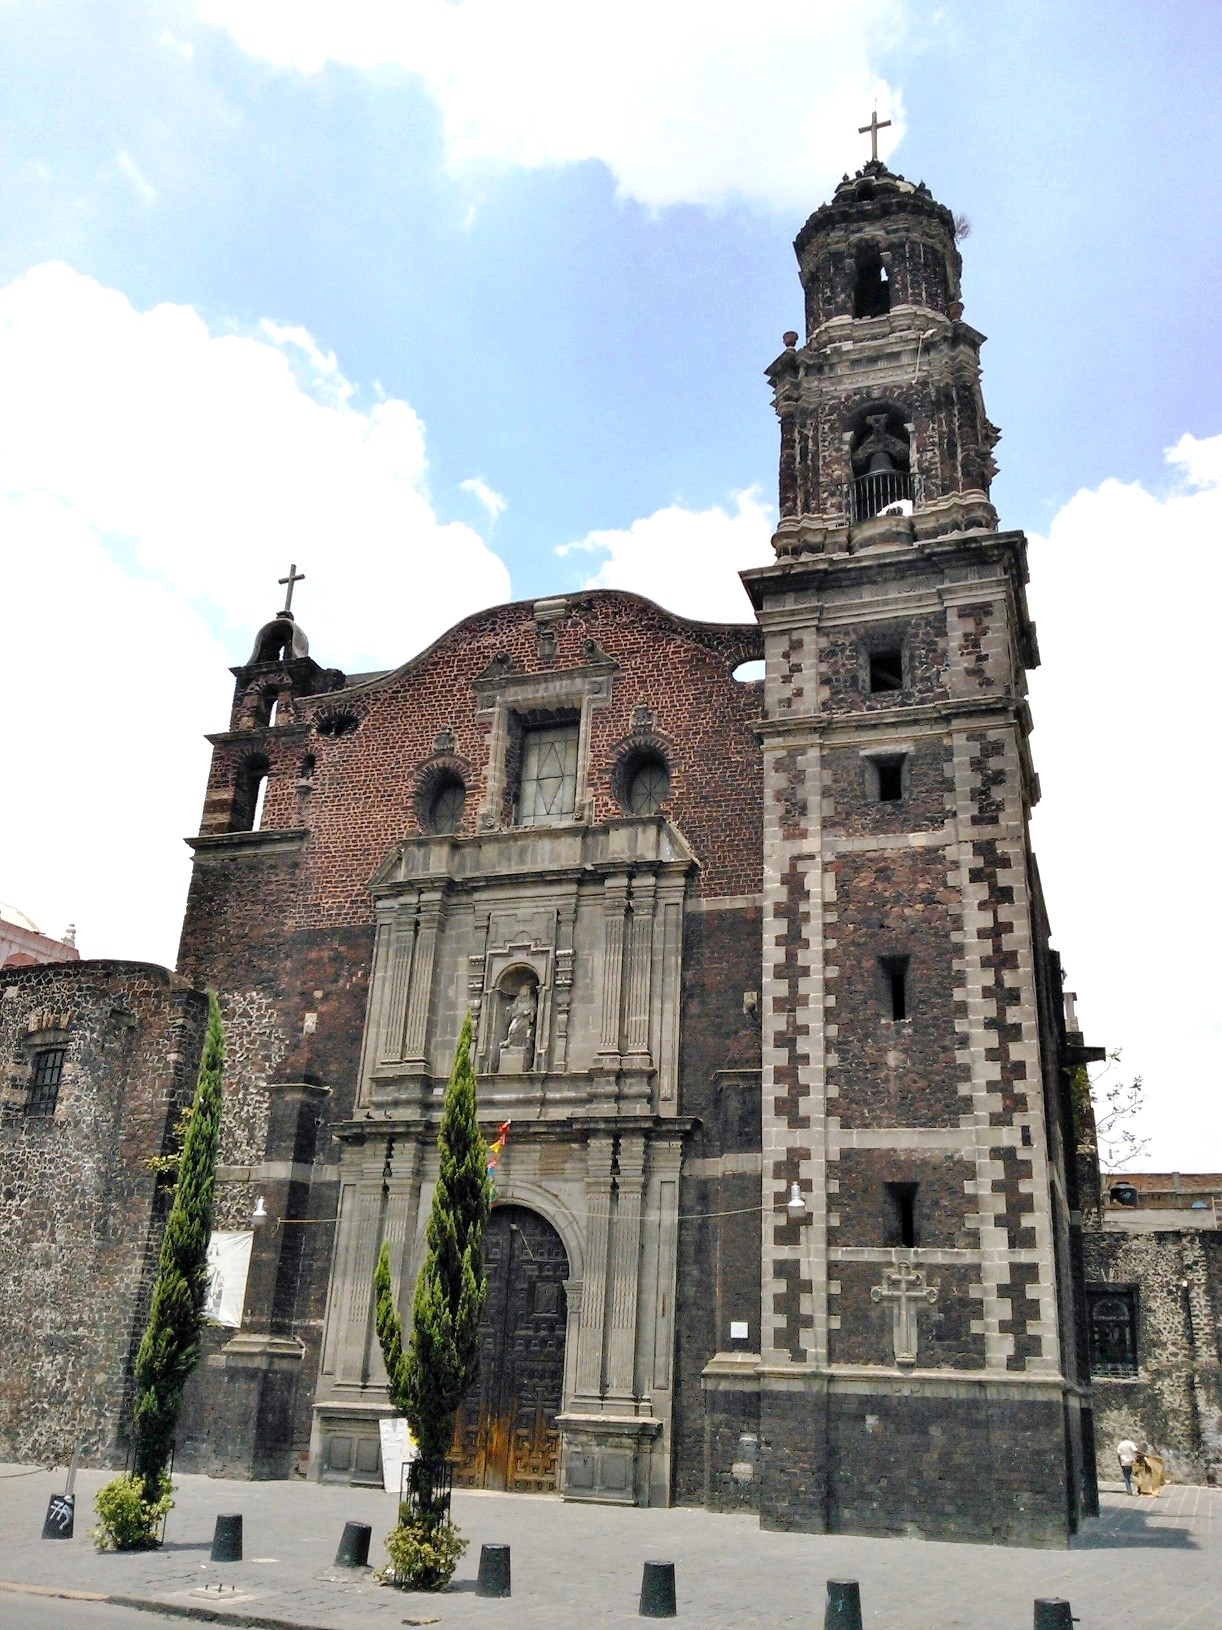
895 981
901 1215
890 774
886 669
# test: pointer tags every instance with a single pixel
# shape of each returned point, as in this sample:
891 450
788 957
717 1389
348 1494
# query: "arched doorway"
506 1436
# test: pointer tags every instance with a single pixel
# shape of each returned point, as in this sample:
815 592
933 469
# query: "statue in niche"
517 1049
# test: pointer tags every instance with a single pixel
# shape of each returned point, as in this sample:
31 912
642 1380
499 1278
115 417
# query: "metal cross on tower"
872 129
905 1288
294 577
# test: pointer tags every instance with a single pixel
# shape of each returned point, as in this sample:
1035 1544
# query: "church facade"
760 977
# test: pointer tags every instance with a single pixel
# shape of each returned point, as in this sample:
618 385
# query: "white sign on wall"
228 1266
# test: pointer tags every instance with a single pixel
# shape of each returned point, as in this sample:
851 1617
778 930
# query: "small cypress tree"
427 1381
170 1348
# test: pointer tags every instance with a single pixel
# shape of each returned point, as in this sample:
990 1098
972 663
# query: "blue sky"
457 300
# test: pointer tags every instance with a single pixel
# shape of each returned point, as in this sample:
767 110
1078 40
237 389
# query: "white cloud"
688 560
111 682
684 102
156 478
140 182
213 460
1125 589
492 501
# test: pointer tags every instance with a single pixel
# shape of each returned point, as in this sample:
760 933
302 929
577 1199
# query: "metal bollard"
493 1578
227 1538
354 1546
1052 1613
843 1610
658 1591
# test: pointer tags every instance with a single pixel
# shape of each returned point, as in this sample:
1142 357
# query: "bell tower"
881 408
919 1369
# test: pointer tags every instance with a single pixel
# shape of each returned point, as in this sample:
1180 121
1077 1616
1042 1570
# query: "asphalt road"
48 1613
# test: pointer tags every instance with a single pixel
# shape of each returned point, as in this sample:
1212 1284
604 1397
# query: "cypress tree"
170 1348
427 1381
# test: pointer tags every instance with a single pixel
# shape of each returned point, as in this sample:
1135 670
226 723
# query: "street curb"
175 1610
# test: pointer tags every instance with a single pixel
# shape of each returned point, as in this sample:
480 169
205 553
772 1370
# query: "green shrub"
126 1520
423 1554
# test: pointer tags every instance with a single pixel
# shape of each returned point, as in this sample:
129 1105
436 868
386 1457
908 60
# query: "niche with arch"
517 1020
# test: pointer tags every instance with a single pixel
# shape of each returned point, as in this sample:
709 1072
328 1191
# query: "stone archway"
506 1436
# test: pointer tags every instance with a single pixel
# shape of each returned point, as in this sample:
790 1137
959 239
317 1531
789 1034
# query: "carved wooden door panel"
506 1435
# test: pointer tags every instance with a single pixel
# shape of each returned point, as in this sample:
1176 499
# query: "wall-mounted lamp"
796 1205
259 1214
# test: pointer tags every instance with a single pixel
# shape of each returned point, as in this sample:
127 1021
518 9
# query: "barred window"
1112 1317
47 1070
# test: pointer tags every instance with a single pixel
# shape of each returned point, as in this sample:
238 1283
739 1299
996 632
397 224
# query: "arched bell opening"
881 454
871 281
506 1436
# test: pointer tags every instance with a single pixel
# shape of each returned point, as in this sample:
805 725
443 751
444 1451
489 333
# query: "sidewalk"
1149 1562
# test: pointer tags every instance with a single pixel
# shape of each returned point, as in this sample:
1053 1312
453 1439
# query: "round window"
648 786
445 811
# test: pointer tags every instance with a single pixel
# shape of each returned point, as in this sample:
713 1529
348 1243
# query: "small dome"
281 640
10 914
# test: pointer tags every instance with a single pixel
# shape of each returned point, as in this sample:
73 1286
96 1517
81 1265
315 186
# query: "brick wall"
281 922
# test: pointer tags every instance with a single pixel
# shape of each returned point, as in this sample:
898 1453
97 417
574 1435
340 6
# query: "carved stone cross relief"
905 1288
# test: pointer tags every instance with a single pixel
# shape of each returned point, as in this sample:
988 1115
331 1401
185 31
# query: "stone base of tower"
986 1461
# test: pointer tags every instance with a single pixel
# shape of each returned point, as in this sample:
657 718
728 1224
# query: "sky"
457 301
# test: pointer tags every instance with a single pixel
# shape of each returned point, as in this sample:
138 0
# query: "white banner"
398 1447
228 1265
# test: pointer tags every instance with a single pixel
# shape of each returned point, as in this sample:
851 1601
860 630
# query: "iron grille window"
44 1082
1112 1316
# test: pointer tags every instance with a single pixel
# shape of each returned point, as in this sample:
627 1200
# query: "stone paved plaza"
1148 1562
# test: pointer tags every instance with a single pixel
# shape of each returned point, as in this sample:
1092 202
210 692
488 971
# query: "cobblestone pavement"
1144 1562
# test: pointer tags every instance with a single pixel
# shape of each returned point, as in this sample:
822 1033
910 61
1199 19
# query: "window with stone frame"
46 1073
547 783
1111 1316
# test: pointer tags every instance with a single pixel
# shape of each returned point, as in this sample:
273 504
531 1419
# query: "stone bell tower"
919 1367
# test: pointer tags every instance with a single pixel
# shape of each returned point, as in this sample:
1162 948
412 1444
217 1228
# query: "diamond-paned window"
548 788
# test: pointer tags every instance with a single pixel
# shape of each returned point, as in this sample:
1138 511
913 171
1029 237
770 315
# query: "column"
625 1269
594 1285
615 910
429 918
397 975
640 968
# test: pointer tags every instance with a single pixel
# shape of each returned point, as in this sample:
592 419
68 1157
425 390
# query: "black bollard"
658 1591
493 1579
227 1538
843 1610
1052 1613
61 1514
354 1546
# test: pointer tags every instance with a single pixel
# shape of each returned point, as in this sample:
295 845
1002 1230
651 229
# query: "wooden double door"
506 1435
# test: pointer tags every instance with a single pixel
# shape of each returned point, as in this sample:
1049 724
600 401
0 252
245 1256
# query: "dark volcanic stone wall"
80 1211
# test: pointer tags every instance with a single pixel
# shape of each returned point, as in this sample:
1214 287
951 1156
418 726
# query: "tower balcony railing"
871 494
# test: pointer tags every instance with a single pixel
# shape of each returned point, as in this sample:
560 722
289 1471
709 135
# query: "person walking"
1126 1453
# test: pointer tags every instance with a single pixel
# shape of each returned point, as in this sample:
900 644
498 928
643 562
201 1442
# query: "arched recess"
507 1435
